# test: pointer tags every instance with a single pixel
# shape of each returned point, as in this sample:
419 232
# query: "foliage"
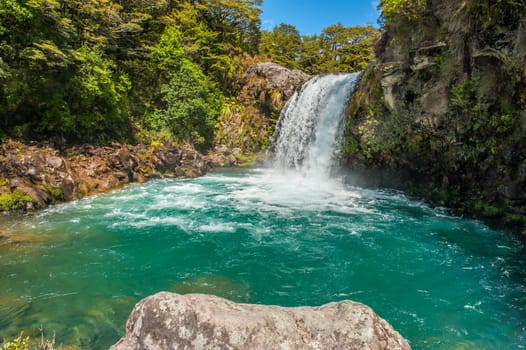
24 343
243 127
487 13
14 200
189 103
95 71
55 192
19 343
89 70
393 11
283 45
336 49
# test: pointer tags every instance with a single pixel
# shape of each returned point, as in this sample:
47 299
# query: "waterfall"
310 127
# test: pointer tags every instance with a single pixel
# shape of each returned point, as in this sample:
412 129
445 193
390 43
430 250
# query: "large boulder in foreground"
198 321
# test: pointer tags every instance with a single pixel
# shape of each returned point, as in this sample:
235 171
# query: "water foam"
310 127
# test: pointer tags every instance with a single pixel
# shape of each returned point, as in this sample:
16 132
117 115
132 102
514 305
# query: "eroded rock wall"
246 124
444 107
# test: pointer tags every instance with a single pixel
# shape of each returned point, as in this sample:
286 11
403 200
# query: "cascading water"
265 236
310 126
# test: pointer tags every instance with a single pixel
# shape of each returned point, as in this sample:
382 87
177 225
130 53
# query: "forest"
135 71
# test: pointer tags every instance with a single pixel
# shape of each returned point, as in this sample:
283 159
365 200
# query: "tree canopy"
101 70
336 49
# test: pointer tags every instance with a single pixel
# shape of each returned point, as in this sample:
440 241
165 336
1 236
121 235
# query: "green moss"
250 159
515 219
14 201
3 181
55 192
486 209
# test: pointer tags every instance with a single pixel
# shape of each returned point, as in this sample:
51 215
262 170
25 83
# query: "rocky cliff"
444 108
246 124
198 321
33 176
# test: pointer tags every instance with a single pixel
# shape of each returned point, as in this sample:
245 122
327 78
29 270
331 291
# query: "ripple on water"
263 236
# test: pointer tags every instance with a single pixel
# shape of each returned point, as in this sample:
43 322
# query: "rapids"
263 236
289 234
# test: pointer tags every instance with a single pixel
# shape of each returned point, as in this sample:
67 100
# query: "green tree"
188 102
283 45
311 58
346 49
336 49
235 21
87 69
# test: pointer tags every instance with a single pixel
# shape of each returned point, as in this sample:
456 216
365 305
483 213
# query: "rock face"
445 103
271 85
248 123
33 176
197 321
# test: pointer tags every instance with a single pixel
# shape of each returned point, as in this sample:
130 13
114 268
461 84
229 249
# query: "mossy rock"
55 192
14 200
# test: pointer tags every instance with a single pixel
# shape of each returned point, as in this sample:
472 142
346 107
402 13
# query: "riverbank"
433 110
34 176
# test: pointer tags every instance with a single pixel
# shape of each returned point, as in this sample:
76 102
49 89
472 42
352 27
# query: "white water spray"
309 131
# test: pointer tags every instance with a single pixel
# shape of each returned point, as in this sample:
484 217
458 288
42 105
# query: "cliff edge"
443 108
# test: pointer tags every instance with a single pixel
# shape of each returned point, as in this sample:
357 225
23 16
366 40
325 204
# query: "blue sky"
311 16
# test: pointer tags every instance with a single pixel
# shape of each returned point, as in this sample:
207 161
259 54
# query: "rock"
69 187
274 77
446 98
249 123
198 321
223 156
31 169
514 192
55 162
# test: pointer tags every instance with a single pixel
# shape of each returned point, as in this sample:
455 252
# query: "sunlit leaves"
336 49
401 10
189 102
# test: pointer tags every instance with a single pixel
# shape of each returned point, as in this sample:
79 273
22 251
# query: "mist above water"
309 131
285 235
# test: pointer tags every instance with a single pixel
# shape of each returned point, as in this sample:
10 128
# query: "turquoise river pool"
267 237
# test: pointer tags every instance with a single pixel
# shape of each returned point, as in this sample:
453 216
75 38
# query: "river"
262 236
292 233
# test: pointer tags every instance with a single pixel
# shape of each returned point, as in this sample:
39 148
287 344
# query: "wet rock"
49 176
514 192
249 123
222 156
197 321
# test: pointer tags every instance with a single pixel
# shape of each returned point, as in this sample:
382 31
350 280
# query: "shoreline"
34 176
